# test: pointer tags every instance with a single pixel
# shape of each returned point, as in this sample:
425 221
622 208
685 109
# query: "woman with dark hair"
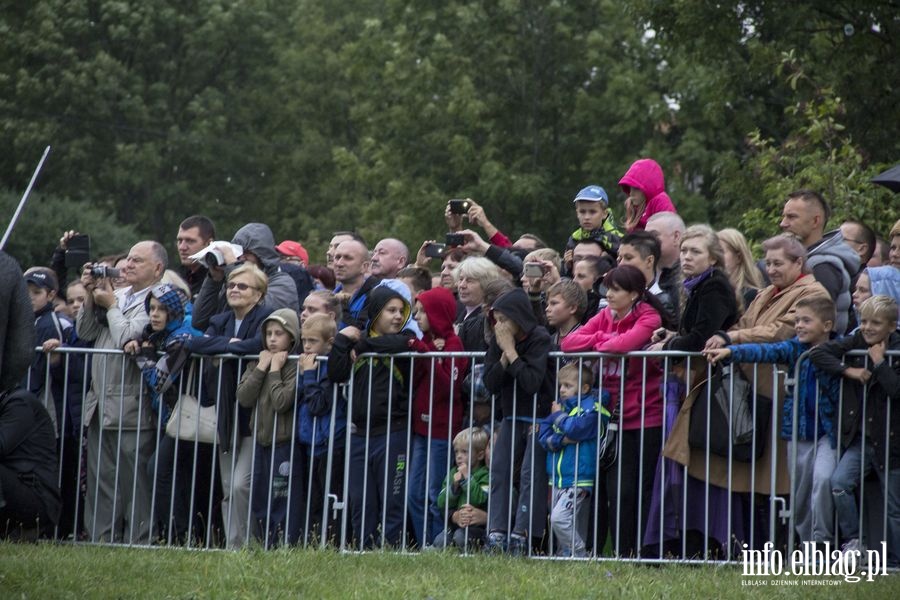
626 324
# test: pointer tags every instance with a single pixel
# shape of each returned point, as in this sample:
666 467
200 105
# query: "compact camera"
101 271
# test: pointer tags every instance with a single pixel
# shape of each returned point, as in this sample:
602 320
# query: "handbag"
189 420
608 450
738 431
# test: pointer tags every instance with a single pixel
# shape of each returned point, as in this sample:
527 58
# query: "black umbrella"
889 179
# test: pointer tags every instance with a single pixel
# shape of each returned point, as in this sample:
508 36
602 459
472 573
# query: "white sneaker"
852 546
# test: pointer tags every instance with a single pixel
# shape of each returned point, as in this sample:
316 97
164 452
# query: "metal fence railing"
375 462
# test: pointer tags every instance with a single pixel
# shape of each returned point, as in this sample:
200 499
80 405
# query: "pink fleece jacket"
646 175
632 332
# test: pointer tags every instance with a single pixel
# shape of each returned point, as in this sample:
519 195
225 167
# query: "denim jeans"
430 456
844 481
852 467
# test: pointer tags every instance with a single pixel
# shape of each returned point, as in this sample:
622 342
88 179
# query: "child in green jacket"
464 496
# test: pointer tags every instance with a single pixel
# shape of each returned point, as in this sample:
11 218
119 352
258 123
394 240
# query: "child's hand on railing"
858 373
876 352
278 360
308 361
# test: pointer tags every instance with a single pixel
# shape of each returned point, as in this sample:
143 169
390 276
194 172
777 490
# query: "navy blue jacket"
217 340
315 397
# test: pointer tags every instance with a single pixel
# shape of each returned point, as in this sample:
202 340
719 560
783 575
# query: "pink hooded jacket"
642 400
646 175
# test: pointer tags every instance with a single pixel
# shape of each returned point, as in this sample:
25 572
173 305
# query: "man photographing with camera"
120 420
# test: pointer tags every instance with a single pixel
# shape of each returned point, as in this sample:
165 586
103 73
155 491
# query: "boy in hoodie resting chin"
515 369
437 408
379 411
269 387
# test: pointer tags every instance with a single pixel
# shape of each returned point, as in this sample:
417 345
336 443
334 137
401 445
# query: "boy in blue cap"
595 223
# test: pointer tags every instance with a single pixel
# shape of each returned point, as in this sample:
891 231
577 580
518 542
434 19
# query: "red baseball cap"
292 248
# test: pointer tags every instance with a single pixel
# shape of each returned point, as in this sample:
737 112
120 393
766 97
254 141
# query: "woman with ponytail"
626 324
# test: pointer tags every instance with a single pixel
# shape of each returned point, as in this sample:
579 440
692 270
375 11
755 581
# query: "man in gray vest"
831 260
121 436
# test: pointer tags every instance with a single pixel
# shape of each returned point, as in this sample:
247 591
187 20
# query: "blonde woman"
739 266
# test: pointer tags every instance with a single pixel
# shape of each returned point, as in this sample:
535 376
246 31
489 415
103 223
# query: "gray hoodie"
834 263
257 239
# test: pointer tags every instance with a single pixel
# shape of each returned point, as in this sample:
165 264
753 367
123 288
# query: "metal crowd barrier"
357 495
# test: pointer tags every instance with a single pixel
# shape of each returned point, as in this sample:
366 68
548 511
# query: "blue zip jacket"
314 398
573 465
787 352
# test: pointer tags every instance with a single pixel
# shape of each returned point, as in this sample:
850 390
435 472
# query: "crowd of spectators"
459 428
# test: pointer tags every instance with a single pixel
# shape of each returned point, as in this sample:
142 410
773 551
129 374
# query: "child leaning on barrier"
437 408
464 494
379 413
816 394
880 377
269 387
315 407
570 435
516 371
167 331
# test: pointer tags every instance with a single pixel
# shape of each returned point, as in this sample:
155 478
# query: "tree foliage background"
368 114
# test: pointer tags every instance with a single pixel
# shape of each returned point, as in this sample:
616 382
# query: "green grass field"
49 571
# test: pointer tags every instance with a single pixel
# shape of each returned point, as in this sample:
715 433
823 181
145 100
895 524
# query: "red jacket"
631 332
433 411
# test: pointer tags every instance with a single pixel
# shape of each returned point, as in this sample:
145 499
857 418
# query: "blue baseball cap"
592 193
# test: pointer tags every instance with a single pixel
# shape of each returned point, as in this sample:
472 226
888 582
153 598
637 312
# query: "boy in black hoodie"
379 414
515 369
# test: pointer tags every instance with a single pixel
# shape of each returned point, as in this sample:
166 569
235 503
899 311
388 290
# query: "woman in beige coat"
769 318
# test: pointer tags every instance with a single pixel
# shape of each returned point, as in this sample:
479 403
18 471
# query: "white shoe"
852 546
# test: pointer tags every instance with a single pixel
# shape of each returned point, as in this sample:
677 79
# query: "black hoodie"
517 383
380 384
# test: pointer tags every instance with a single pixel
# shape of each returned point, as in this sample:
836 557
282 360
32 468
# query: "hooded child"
437 408
379 410
516 371
645 185
168 329
269 388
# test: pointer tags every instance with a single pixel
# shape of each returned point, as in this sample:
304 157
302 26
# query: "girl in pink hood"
646 188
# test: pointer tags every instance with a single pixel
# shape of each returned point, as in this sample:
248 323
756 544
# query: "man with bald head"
121 437
388 258
351 268
336 239
669 229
